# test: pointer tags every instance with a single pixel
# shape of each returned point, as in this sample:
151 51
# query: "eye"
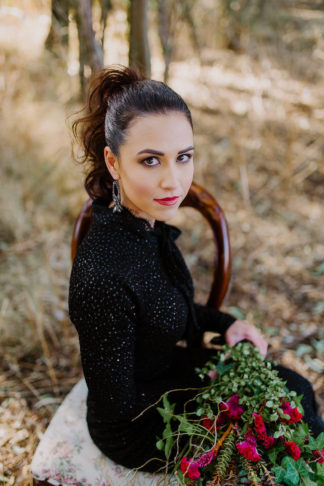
149 159
186 158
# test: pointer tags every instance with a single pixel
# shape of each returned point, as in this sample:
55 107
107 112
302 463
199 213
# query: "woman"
131 294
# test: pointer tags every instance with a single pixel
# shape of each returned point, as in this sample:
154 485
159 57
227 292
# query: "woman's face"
155 162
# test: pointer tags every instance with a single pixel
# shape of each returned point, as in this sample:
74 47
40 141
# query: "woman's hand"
240 330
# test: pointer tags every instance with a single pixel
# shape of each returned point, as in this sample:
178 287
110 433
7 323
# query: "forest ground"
259 127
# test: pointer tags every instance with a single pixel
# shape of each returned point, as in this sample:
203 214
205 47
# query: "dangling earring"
116 197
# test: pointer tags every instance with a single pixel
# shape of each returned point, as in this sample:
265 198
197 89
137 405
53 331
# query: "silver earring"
116 197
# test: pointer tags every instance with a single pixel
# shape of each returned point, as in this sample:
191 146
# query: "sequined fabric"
131 299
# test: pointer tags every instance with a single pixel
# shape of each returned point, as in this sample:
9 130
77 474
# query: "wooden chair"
66 453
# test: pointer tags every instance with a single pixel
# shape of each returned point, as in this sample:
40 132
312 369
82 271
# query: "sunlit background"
252 74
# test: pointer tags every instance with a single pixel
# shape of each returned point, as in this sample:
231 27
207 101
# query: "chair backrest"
199 199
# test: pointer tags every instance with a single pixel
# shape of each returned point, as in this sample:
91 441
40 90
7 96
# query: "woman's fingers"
240 330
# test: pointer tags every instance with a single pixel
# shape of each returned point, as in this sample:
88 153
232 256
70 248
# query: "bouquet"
245 427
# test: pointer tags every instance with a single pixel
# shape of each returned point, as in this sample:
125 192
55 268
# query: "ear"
111 162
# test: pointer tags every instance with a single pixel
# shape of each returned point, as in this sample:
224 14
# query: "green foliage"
294 473
225 456
249 375
242 370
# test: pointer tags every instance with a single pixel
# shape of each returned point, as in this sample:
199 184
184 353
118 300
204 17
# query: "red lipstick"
167 201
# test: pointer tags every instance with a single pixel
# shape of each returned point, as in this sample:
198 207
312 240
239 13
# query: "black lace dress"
131 300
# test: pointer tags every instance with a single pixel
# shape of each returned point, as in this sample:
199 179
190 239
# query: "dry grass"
259 138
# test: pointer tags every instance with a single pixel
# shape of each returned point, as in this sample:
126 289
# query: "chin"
166 213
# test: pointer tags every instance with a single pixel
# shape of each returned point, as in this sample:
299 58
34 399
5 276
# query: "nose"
170 177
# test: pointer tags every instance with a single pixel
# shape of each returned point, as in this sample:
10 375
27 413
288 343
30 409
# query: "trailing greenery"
247 427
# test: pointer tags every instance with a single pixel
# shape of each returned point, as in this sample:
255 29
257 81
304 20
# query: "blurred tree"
166 38
90 51
139 49
58 36
106 7
171 16
238 18
186 15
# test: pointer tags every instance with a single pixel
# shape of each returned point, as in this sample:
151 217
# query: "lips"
167 200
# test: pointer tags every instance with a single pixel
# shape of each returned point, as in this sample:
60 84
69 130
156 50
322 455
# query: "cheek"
189 176
140 186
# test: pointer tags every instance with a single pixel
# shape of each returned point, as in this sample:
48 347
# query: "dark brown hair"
116 96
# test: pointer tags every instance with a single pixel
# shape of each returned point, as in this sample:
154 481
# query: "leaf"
274 452
167 431
319 271
306 480
169 440
223 368
303 349
199 411
320 440
238 313
186 426
302 468
160 445
279 473
317 443
274 417
291 477
318 307
319 473
282 414
165 414
167 405
298 436
318 345
168 446
315 364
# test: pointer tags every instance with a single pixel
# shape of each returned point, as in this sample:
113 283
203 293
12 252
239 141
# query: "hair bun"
109 82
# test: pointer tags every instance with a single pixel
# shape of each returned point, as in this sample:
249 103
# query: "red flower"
258 421
210 423
293 413
268 442
189 469
221 420
260 427
248 448
261 436
319 454
232 409
292 449
206 458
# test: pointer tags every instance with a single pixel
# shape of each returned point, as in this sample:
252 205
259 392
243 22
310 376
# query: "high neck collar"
102 213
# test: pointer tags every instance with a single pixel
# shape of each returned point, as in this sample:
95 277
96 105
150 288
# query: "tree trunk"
58 36
106 6
139 50
187 16
90 51
164 28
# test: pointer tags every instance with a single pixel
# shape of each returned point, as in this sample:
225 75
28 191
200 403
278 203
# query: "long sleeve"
211 319
105 312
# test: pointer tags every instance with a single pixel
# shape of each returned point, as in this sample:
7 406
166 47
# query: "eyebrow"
157 152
